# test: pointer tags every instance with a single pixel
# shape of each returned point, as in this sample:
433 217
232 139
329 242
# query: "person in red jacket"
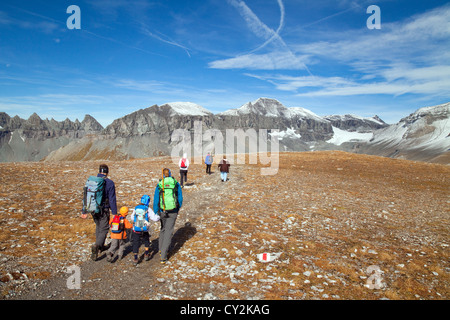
224 167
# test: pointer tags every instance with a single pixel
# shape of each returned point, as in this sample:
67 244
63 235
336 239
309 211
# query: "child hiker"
141 227
118 224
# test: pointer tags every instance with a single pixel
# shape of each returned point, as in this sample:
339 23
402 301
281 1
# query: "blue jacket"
208 160
110 192
156 199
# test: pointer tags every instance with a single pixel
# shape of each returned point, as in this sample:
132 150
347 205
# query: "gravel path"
121 279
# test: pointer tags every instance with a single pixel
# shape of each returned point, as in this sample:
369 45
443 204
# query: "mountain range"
423 135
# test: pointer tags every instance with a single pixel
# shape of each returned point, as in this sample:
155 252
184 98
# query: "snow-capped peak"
272 108
188 108
304 113
262 106
438 111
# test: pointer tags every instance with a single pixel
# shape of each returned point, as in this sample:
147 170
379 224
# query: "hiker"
119 233
167 202
102 202
208 161
141 216
224 166
184 165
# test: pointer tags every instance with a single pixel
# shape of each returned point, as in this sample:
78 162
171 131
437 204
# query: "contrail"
276 34
260 29
170 41
84 30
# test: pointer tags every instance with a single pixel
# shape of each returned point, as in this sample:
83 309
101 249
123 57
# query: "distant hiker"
184 166
99 197
167 202
224 167
119 230
141 216
208 161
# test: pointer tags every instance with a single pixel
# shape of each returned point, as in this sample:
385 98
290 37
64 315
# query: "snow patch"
341 136
188 108
288 133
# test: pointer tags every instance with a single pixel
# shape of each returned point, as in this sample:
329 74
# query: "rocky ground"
343 226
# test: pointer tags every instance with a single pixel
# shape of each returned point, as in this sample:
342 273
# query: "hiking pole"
83 210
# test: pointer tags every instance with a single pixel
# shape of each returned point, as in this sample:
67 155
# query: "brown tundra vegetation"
344 227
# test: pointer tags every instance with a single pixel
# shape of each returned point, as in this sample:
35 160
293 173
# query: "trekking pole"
83 210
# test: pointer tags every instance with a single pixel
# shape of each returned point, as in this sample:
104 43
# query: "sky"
114 57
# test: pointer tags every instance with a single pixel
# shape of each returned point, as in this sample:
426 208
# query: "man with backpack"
167 202
98 199
208 162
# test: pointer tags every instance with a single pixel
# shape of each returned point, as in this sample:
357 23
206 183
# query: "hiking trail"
121 279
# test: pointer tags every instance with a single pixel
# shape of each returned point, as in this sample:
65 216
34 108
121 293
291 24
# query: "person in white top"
184 166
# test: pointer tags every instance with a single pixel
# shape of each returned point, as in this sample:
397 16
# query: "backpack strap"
162 184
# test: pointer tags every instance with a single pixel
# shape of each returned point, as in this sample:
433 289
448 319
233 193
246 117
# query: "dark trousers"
101 228
208 168
138 238
165 235
183 176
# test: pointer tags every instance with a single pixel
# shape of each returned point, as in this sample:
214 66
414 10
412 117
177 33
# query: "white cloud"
420 38
410 56
131 84
277 60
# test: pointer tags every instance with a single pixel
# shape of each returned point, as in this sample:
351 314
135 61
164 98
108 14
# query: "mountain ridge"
148 132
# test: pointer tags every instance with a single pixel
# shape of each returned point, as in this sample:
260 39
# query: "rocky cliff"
157 130
34 139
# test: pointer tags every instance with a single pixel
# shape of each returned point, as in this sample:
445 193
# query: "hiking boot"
147 256
94 252
104 247
163 261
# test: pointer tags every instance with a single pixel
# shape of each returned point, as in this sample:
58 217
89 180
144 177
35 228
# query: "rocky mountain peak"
352 122
34 122
263 106
188 109
89 124
430 114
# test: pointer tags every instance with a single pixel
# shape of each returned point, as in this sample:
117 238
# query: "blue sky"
220 54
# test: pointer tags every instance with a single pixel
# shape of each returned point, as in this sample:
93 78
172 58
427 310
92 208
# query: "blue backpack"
93 193
141 215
